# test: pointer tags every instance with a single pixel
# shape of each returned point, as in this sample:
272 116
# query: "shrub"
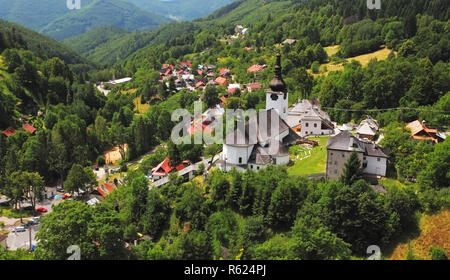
437 253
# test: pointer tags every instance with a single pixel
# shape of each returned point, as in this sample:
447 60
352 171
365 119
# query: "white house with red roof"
164 168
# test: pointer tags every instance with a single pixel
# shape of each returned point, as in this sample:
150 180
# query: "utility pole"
29 231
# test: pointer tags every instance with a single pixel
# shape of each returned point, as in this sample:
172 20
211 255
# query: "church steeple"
277 84
277 96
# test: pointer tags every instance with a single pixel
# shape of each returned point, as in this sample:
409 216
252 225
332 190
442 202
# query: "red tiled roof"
221 81
183 165
254 86
200 72
232 90
180 71
197 127
199 84
163 168
256 68
9 131
223 70
29 128
106 189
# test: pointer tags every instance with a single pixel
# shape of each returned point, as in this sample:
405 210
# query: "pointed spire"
277 84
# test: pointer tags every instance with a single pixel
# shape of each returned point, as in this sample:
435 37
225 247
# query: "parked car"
66 196
27 224
35 220
4 203
19 229
41 209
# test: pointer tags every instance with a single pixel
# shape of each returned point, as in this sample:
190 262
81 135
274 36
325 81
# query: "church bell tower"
277 96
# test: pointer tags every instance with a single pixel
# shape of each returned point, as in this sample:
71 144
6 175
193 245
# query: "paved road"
22 239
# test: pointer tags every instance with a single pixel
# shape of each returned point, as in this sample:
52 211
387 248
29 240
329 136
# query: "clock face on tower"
274 96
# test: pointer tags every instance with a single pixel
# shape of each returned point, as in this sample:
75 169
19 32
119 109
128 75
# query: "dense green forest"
264 215
181 9
61 23
15 36
102 13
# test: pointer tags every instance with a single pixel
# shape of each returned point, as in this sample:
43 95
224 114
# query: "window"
335 162
378 159
343 155
315 125
335 171
257 168
240 160
251 166
307 124
306 132
364 158
331 154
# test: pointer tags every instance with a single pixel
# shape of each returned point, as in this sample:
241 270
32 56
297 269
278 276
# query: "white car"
19 229
35 220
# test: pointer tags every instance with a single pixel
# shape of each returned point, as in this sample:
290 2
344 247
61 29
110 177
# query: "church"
265 138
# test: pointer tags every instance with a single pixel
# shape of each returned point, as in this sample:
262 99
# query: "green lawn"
316 163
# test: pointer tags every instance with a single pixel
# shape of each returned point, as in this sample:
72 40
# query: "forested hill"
86 43
283 16
181 9
34 14
102 13
13 35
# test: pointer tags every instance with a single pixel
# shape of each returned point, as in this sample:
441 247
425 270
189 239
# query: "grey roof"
301 107
306 110
372 150
245 137
368 126
344 141
264 155
259 156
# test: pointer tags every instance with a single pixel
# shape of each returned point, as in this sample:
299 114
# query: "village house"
224 72
222 81
256 68
99 194
29 128
373 159
164 168
307 119
367 128
245 149
207 121
9 131
289 41
420 131
253 87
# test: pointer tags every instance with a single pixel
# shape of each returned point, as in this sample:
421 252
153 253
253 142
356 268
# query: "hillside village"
339 158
